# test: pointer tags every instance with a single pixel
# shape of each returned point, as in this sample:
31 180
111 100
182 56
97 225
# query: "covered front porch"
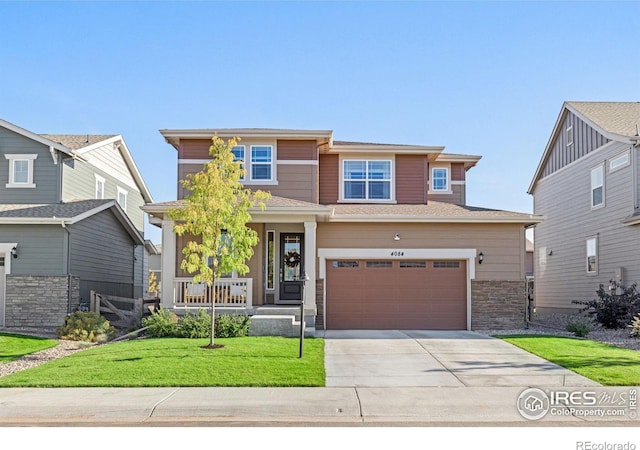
282 270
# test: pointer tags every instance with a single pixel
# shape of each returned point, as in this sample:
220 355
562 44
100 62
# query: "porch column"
310 264
168 264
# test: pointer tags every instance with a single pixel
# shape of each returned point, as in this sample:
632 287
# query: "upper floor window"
100 184
261 162
238 155
569 132
122 198
597 186
440 179
367 179
619 161
21 171
592 255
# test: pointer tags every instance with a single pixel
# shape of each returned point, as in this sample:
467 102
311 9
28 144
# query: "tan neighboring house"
587 186
382 232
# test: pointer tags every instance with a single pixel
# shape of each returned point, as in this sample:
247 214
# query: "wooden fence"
122 312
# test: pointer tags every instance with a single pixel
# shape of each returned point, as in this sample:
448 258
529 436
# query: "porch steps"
279 321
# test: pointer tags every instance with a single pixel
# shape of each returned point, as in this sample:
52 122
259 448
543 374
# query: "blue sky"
485 78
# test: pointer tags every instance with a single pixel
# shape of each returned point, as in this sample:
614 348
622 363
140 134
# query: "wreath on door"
292 259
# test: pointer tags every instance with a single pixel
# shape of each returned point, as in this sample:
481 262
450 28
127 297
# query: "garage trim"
468 254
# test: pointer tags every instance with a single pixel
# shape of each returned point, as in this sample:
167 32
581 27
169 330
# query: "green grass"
14 346
605 364
246 361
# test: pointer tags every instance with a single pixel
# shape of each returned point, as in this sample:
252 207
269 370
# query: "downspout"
68 268
635 148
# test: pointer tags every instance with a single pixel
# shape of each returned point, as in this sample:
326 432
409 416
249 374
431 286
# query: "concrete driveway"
391 358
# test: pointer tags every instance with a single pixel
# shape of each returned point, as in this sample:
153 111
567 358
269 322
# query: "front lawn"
245 361
605 364
14 346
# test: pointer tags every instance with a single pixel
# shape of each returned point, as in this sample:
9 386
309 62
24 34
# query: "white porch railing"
230 292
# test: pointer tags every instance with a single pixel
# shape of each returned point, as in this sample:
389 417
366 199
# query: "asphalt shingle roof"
44 211
614 117
77 141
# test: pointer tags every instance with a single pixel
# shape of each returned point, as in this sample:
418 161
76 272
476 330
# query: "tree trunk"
213 311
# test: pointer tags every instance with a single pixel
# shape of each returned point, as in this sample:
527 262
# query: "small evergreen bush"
635 327
232 325
161 323
194 326
612 310
86 326
580 326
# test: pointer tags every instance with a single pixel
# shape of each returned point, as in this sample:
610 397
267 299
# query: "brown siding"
297 150
457 196
329 179
411 186
194 149
502 244
457 172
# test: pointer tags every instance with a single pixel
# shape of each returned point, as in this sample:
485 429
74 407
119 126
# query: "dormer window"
366 179
569 135
20 171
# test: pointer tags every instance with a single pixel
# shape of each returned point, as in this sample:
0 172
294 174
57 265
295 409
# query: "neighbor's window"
592 255
122 198
367 180
569 135
20 171
261 162
440 179
100 183
620 161
238 155
597 186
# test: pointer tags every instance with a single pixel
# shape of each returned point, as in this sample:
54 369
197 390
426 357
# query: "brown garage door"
404 295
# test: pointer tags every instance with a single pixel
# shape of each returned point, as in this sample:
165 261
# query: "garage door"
384 294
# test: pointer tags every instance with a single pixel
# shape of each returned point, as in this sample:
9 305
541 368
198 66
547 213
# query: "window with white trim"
100 184
261 162
366 179
440 179
619 161
569 132
20 171
597 186
592 255
122 198
238 155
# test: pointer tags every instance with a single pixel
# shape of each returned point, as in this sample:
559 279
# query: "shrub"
195 325
635 327
232 325
612 310
580 326
86 326
161 323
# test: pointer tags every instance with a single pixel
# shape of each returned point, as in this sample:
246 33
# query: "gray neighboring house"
70 222
587 187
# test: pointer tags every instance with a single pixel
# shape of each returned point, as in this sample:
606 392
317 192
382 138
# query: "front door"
291 267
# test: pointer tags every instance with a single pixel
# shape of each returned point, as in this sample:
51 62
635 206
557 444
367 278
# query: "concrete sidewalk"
417 406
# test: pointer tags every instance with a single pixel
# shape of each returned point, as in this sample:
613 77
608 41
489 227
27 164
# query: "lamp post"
305 278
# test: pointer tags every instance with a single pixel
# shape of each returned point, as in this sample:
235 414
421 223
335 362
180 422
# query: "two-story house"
587 186
382 232
70 222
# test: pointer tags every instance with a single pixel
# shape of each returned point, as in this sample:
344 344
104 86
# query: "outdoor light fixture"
396 237
550 252
14 251
480 258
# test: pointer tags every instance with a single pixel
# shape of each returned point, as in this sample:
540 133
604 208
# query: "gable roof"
86 143
617 121
37 137
64 214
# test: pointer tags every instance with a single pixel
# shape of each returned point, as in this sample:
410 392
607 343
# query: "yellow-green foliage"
86 326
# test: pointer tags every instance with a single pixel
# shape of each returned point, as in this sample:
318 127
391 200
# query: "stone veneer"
39 301
498 305
319 304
